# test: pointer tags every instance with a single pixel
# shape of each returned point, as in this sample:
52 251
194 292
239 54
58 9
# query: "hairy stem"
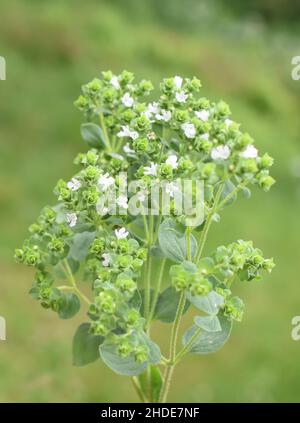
103 126
138 389
188 346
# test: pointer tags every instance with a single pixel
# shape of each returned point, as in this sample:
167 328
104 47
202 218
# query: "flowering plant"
119 226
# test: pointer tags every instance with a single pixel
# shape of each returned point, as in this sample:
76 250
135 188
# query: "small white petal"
228 122
105 181
115 82
189 130
222 152
122 202
172 188
106 260
151 170
74 184
178 82
181 96
72 219
250 152
121 233
172 161
205 136
127 100
203 115
127 149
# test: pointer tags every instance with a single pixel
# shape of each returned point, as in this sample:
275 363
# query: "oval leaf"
85 346
209 342
209 303
69 305
155 383
208 323
80 245
92 135
167 304
173 243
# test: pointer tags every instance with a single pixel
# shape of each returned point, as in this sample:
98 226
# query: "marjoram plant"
130 260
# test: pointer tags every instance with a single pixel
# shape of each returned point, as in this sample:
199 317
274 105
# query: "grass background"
242 55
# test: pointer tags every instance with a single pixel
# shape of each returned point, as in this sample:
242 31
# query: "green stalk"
73 284
103 126
156 292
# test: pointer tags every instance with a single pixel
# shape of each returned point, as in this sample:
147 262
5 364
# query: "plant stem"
147 285
208 223
156 292
188 346
72 281
188 243
103 126
138 389
173 343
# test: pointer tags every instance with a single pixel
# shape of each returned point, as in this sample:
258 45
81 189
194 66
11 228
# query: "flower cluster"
178 136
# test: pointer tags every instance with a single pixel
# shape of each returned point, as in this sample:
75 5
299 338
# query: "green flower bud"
141 354
265 182
234 309
128 115
168 85
142 253
65 194
105 302
194 84
244 140
98 328
181 116
141 145
124 261
132 317
125 348
91 173
91 158
81 102
126 77
109 95
136 264
185 165
142 124
19 255
222 109
268 265
265 161
166 170
248 166
122 246
97 246
200 286
107 75
208 170
56 245
94 86
128 286
35 228
91 195
32 256
145 86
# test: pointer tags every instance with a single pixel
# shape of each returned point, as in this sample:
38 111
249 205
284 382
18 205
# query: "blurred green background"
242 53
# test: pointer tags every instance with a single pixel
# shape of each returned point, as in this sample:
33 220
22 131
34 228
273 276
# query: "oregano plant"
125 240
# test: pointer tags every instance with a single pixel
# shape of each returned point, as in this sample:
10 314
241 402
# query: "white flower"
203 115
152 108
228 122
164 115
74 184
205 136
121 233
101 209
127 100
178 82
249 153
181 96
127 132
151 170
171 188
115 82
189 130
106 259
172 161
127 149
105 181
122 201
222 152
72 219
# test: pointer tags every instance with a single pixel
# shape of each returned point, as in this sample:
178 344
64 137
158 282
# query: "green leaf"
229 187
85 346
69 305
128 366
209 342
93 135
173 242
155 377
80 245
59 271
136 228
209 303
208 323
167 304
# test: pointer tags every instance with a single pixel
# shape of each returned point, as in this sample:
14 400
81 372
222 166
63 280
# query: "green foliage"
106 235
